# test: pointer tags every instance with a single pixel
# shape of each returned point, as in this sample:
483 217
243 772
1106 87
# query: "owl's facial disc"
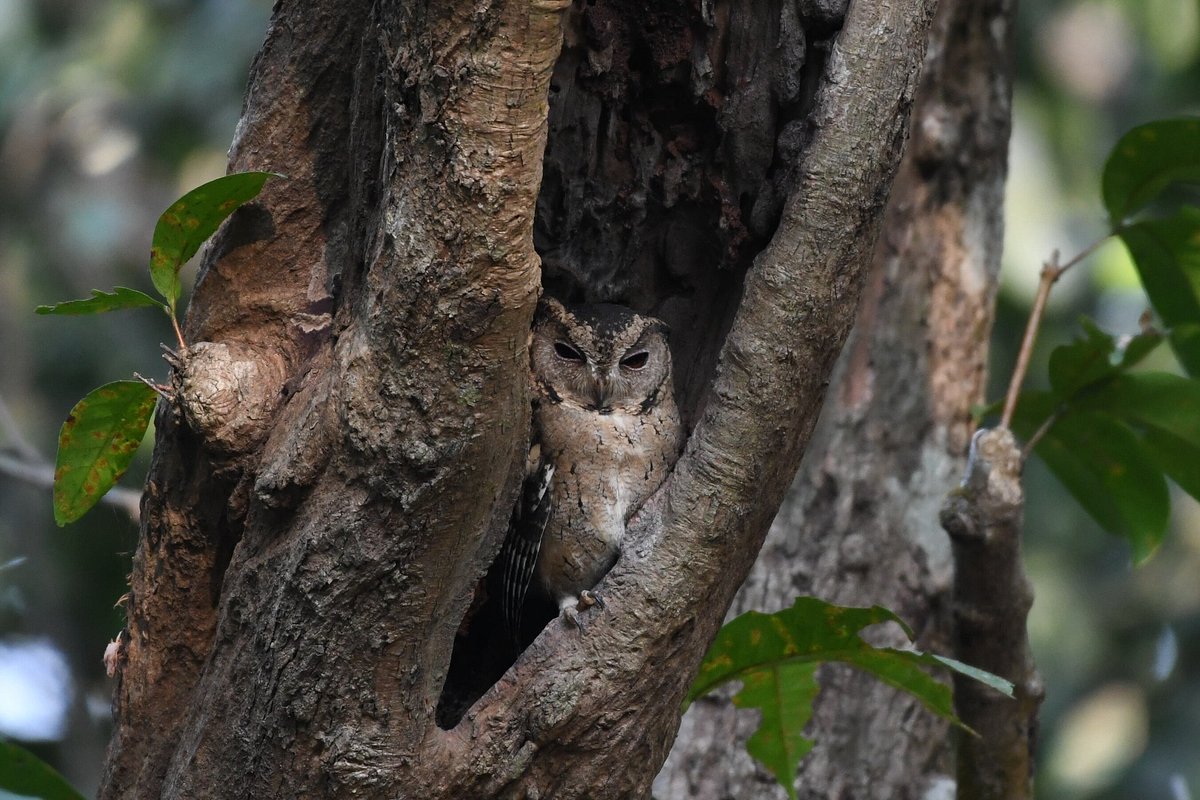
601 358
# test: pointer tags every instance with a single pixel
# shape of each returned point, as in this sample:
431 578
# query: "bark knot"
229 393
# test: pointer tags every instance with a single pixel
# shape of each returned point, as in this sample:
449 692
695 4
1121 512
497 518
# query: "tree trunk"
860 525
337 471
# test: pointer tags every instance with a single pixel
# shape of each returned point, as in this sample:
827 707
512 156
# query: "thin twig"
1084 253
1051 272
171 357
163 390
1042 430
179 334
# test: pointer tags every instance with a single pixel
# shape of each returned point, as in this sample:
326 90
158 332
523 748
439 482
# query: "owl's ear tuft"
658 325
550 308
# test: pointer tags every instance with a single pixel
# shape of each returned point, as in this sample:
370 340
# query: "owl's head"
602 357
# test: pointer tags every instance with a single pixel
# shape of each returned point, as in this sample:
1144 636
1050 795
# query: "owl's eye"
635 361
565 351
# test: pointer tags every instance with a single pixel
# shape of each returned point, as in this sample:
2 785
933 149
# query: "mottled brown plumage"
608 431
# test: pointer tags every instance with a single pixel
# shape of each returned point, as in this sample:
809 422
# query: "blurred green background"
110 109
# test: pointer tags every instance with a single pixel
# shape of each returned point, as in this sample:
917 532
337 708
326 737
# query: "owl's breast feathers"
607 431
605 467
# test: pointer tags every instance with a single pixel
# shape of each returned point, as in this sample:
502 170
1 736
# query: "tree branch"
892 435
700 535
992 601
399 286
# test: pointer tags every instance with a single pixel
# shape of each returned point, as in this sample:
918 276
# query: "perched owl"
605 433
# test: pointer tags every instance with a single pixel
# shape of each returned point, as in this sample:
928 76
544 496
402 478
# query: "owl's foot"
571 615
572 608
588 598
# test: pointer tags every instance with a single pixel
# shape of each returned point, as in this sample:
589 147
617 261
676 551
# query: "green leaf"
23 773
96 444
1096 358
99 302
983 676
1147 160
1106 468
1177 457
1166 253
1156 399
1082 362
1185 341
193 218
785 697
1138 347
775 656
1167 409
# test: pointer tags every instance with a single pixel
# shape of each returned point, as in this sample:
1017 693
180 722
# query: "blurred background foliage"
110 109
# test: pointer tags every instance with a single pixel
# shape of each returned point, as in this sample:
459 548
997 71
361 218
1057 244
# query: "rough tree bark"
354 403
860 525
992 602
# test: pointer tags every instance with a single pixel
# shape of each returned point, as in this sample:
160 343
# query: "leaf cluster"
1114 435
775 656
105 428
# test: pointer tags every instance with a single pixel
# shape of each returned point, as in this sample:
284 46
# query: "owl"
606 431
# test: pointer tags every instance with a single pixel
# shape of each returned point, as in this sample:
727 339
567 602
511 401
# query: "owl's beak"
601 392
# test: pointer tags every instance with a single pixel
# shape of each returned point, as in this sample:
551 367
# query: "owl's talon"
571 614
588 598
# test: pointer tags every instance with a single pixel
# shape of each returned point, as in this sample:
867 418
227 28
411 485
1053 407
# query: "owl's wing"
519 554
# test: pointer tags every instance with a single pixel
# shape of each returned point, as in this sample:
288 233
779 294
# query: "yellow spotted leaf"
96 444
193 218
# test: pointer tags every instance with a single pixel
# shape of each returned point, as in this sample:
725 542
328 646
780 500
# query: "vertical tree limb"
858 525
992 600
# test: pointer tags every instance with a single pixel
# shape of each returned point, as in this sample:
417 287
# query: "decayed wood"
295 597
859 525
